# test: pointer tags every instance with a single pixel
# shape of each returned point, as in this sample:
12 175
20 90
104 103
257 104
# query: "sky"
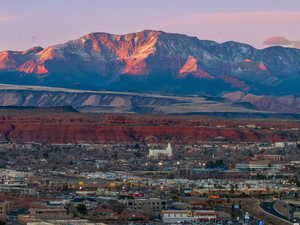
29 23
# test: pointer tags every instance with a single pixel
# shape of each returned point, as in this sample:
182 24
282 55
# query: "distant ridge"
40 109
61 99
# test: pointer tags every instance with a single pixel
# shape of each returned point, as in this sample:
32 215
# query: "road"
12 220
269 208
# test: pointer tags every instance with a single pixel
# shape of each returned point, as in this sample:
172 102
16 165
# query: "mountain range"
163 63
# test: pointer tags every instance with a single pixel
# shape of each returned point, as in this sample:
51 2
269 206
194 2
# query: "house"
133 216
103 214
279 144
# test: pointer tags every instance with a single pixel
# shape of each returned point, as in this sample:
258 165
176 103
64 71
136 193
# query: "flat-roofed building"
50 213
253 165
155 205
268 157
181 216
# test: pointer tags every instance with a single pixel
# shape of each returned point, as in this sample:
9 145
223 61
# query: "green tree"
81 208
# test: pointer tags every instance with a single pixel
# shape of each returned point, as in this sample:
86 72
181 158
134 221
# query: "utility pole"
288 208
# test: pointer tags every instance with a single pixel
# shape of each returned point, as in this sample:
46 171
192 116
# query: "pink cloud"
283 41
4 18
277 41
248 27
297 44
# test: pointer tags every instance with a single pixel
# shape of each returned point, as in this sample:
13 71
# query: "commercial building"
181 216
253 165
154 205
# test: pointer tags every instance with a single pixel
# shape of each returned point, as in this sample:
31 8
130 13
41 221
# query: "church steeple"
169 150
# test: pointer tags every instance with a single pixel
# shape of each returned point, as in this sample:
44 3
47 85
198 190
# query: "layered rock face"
85 128
155 61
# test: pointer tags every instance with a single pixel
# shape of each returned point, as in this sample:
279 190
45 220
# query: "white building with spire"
157 153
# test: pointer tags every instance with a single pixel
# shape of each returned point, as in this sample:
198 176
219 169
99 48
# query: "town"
156 112
168 183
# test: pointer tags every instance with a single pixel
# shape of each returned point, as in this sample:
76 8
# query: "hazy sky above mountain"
45 22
